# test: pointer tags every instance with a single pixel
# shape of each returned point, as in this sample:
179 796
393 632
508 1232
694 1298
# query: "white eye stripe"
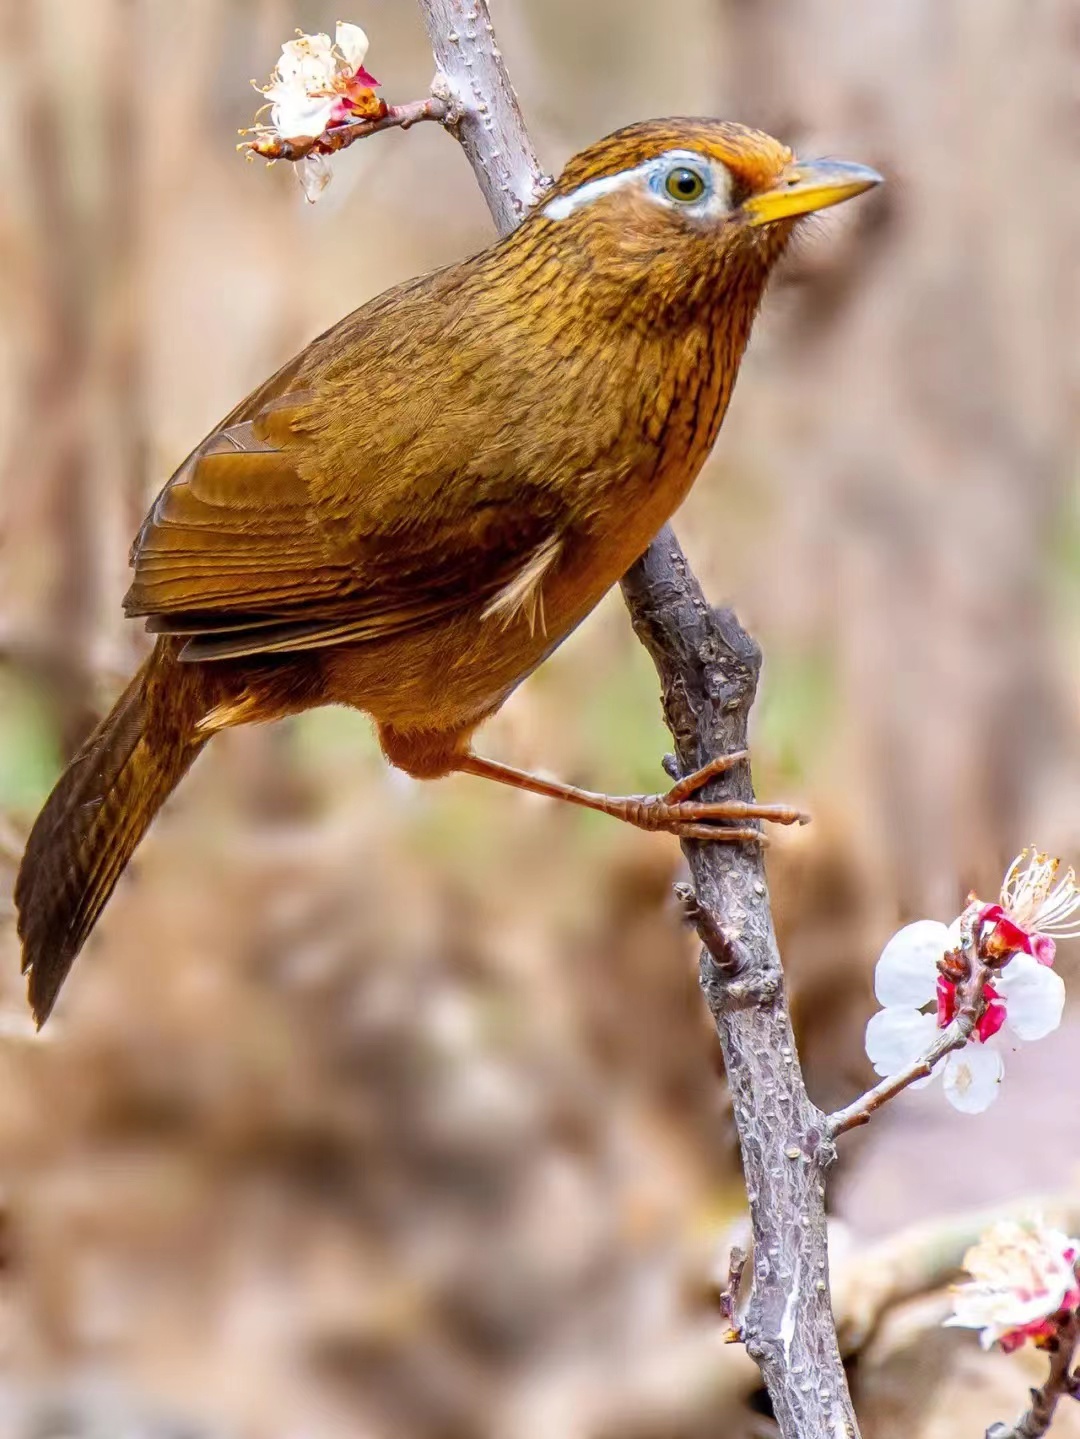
713 203
563 206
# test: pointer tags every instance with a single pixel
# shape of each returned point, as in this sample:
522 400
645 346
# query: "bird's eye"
685 184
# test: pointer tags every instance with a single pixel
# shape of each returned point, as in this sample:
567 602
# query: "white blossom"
1021 1276
1025 1002
316 84
352 45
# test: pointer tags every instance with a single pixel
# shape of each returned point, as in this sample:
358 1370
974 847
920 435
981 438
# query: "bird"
414 512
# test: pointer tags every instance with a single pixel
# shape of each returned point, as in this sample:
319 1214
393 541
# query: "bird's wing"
233 528
243 554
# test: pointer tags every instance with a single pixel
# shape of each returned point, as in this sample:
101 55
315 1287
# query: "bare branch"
488 121
867 1105
729 956
708 669
1061 1383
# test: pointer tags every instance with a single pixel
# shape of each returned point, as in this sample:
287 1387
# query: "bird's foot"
721 821
676 812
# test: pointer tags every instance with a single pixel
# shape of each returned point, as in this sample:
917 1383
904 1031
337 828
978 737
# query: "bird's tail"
98 812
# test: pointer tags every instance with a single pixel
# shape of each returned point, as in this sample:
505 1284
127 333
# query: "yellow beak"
808 185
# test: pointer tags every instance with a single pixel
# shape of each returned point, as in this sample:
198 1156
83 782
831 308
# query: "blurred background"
384 1110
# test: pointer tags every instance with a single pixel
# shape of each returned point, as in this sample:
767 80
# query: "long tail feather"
92 822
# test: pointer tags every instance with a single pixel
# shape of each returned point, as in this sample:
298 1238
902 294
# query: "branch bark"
488 119
708 668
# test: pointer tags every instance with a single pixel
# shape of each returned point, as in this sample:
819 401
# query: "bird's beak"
808 185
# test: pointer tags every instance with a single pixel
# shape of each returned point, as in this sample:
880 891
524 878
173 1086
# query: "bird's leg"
675 812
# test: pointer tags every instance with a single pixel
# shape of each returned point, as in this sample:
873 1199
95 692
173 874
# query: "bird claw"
723 821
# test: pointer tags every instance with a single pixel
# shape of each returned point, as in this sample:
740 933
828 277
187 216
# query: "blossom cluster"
1023 1284
1024 1002
318 83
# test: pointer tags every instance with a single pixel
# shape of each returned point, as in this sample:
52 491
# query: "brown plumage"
413 513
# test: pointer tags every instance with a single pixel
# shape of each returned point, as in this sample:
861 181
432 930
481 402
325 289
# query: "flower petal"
314 173
906 973
308 60
298 116
1034 997
353 45
1043 948
897 1037
972 1077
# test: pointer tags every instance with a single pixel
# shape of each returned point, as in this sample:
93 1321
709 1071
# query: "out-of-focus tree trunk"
918 412
123 362
48 459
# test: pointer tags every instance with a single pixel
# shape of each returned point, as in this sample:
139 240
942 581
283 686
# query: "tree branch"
488 119
708 668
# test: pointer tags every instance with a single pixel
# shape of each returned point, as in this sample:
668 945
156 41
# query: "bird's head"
669 215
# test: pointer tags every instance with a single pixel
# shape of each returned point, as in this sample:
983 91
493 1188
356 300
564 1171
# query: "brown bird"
412 514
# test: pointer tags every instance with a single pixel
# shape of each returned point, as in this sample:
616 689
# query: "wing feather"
295 524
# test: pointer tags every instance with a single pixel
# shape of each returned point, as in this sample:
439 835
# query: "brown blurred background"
361 1120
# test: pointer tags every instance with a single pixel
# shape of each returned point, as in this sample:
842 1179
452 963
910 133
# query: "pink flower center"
1008 937
993 1016
1040 1328
353 92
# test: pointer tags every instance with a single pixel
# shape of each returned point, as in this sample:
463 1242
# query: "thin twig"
339 137
1062 1383
729 1295
727 953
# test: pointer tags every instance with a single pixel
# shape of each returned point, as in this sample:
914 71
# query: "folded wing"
243 553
